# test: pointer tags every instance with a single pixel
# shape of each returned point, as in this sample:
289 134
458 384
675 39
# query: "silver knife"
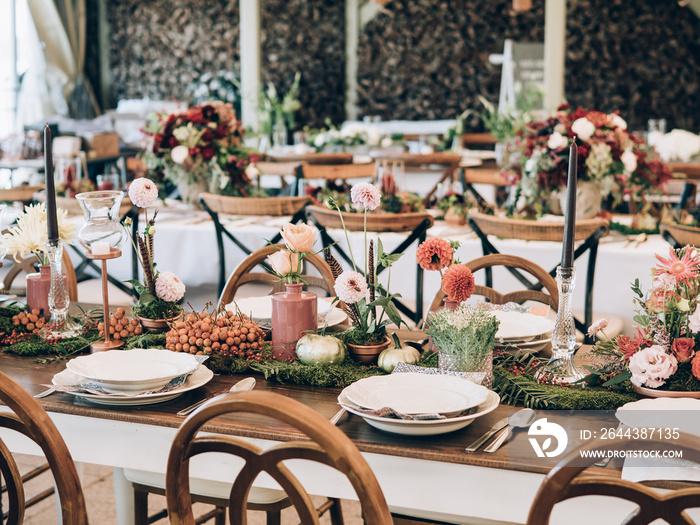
242 386
498 425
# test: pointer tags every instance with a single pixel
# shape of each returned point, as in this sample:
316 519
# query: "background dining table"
419 475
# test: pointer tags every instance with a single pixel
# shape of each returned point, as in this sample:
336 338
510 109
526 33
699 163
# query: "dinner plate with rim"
416 393
520 326
260 309
199 377
662 413
430 427
531 347
139 369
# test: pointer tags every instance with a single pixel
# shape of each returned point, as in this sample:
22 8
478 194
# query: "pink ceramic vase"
294 313
38 286
449 304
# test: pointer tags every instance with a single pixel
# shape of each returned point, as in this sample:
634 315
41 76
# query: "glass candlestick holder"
102 235
62 324
561 368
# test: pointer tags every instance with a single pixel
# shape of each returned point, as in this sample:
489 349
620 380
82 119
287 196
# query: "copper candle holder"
108 343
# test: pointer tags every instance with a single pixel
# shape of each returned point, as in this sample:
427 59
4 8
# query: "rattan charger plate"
682 233
537 230
376 222
19 193
253 205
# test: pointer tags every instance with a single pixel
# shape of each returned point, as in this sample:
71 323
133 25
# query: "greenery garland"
513 375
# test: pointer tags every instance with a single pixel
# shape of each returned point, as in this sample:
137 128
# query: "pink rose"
284 262
683 349
694 321
652 366
299 237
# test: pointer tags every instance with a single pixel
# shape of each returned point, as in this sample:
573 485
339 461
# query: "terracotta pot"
294 313
367 354
157 324
38 286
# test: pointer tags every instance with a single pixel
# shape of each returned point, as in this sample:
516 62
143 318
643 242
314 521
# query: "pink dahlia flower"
365 196
169 287
143 192
351 287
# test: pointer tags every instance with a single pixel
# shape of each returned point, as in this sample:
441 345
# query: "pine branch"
371 277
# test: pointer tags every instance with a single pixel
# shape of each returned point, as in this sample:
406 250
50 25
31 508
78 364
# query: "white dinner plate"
662 413
198 378
139 369
261 308
530 347
429 427
416 393
521 327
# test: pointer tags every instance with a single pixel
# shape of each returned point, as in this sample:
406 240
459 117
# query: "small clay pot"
367 354
157 324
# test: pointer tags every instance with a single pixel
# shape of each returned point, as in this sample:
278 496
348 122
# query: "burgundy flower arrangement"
201 146
620 163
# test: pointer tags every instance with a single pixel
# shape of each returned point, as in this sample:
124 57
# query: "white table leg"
123 497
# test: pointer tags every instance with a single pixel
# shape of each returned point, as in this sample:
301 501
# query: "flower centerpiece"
465 338
368 304
663 354
617 163
294 312
159 292
278 112
352 136
201 150
28 237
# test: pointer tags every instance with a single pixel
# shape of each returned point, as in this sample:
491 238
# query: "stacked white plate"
137 370
457 400
522 331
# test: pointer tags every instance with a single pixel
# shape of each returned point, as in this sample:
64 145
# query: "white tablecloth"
185 244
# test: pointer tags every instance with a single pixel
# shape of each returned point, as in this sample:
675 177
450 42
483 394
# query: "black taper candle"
567 254
51 218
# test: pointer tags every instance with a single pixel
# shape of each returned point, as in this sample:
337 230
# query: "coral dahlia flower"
434 254
458 282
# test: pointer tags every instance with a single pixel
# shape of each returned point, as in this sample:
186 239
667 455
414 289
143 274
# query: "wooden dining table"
420 476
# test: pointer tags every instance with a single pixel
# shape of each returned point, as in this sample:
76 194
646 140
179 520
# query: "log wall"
419 59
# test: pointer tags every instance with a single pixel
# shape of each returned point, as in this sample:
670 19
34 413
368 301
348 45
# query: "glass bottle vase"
294 313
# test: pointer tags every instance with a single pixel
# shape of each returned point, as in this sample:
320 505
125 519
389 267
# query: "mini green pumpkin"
391 357
314 349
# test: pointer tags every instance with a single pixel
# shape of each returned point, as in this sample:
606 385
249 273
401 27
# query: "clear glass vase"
102 231
477 367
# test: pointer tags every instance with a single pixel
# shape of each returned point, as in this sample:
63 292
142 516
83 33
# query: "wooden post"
554 53
352 40
250 62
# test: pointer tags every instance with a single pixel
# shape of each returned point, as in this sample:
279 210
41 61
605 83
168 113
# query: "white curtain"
61 27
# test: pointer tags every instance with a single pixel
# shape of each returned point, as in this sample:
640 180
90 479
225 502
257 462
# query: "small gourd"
314 349
391 357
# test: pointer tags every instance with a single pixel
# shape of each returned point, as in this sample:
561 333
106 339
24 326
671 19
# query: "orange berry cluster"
32 321
226 333
120 326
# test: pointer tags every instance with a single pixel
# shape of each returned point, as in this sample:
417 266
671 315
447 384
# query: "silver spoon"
243 385
521 419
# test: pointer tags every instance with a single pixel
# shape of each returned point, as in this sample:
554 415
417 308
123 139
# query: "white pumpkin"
314 349
391 357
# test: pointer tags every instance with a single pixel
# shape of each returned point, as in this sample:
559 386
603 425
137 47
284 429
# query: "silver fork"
45 393
604 462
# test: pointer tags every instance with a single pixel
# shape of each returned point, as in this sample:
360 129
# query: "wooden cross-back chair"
563 483
244 274
30 419
320 442
30 264
550 297
215 205
330 172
